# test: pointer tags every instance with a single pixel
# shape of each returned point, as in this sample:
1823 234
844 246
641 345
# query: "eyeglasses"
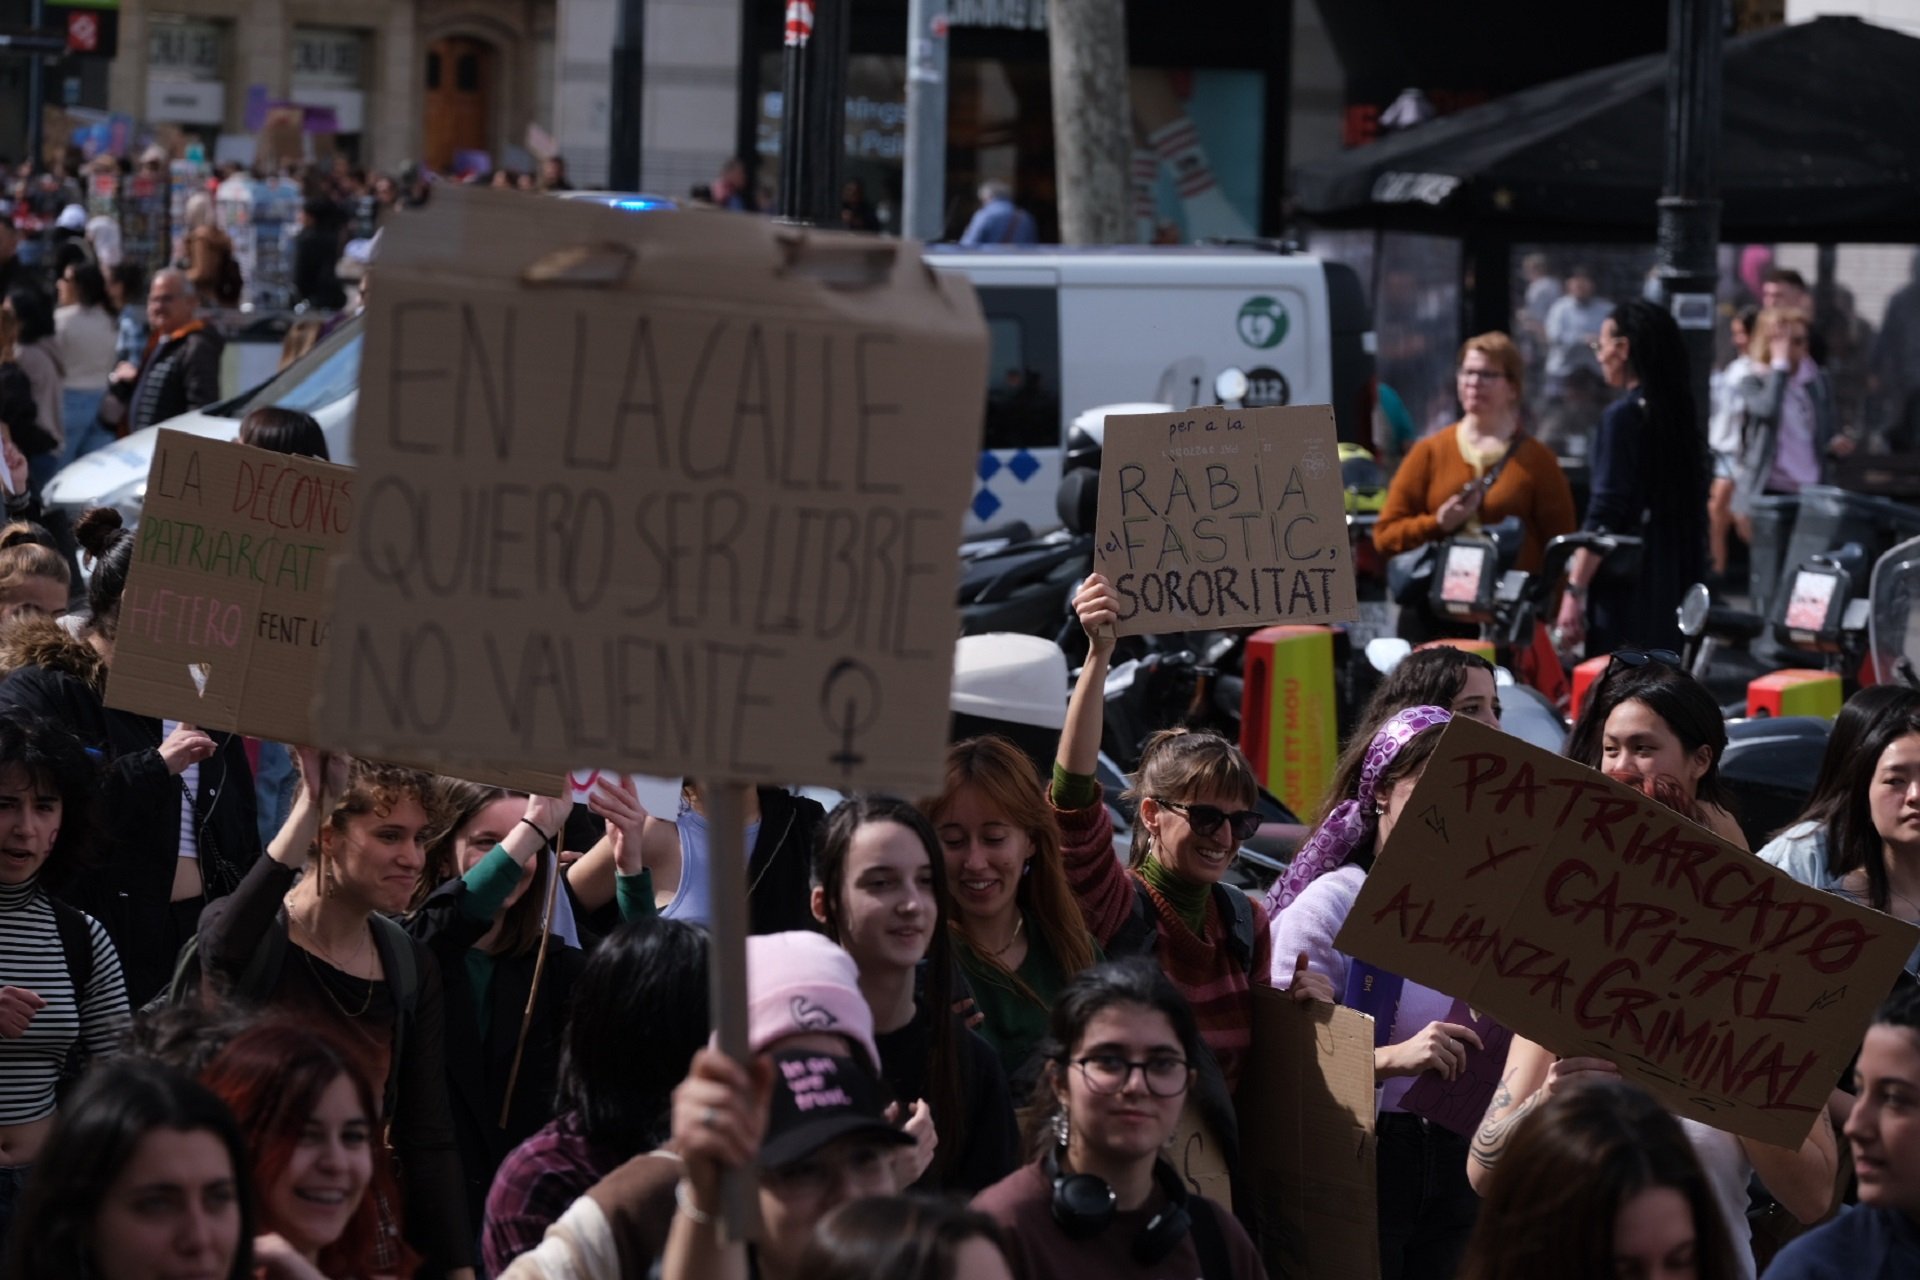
1637 658
1109 1072
1481 375
1205 819
1595 345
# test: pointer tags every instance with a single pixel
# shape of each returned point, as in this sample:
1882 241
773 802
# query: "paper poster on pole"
227 607
1219 518
1307 1142
667 492
1598 922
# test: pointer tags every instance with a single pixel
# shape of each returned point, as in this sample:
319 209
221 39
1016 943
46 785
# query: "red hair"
271 1076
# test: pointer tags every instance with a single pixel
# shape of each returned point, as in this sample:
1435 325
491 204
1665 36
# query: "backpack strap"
403 975
1139 934
1209 1241
76 945
1237 910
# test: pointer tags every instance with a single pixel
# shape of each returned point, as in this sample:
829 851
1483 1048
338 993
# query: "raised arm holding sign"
1601 924
662 494
1217 518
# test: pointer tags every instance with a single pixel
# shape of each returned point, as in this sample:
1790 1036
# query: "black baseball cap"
819 1098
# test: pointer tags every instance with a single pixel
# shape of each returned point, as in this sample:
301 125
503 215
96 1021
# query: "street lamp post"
1688 267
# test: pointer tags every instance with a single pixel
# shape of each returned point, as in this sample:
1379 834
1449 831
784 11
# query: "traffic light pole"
813 110
623 112
1689 237
37 96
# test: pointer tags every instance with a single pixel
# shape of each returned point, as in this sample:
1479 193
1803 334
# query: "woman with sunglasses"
1427 1207
1650 480
1102 1199
1480 471
1651 725
1195 794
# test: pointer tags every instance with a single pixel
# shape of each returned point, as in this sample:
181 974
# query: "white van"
1075 328
1070 329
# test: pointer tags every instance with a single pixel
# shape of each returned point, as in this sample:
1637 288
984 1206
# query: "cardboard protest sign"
1598 922
227 606
1218 518
1460 1104
1307 1138
660 493
1201 1160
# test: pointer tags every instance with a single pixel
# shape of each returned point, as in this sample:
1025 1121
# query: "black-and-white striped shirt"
31 957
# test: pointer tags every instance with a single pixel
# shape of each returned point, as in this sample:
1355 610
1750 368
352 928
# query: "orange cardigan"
1531 486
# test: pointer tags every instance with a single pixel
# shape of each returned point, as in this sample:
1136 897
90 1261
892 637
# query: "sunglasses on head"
1637 658
1205 819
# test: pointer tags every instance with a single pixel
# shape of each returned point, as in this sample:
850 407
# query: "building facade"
383 81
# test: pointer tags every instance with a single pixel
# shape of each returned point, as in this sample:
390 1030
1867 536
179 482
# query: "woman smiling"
1018 933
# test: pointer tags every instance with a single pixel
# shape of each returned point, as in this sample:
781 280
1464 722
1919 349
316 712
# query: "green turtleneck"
1189 900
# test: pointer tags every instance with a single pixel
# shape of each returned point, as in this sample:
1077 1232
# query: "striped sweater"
1202 966
31 957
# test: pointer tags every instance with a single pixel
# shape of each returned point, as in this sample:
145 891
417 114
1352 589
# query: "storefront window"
1198 140
1416 315
329 74
186 83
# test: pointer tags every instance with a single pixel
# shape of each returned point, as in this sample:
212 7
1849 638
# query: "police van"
1069 329
1248 324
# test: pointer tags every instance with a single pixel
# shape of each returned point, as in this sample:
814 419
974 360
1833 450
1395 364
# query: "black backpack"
262 974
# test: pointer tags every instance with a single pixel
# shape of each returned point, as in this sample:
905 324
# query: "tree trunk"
1092 134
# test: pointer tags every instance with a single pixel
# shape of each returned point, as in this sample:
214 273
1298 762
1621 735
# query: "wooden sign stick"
539 967
727 981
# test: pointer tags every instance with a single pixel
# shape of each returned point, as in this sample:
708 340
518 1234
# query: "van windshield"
326 374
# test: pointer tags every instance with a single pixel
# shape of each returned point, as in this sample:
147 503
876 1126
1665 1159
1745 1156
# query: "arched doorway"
457 114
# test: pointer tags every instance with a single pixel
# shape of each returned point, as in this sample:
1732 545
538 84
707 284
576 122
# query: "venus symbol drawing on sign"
850 704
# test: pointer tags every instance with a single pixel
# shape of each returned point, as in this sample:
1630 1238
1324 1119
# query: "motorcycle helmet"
1363 480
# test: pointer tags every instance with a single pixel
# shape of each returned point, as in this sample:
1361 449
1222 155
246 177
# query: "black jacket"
129 880
180 373
477 1068
315 281
780 870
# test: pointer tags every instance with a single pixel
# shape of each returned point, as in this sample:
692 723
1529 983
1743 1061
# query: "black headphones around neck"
1084 1206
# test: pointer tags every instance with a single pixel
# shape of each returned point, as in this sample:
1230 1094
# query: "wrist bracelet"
545 838
683 1200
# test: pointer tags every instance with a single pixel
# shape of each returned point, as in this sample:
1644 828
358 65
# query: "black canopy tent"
1820 142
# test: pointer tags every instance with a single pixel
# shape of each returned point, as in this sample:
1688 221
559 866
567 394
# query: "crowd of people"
266 1010
417 1034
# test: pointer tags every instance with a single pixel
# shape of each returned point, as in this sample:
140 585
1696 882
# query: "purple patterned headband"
1352 822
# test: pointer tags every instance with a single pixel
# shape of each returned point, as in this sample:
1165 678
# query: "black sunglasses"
1205 819
1637 658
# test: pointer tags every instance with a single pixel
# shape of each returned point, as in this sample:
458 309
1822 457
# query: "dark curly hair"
53 757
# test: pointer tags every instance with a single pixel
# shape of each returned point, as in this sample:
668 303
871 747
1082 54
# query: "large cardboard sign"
1307 1138
1217 518
1596 921
661 493
1201 1159
227 606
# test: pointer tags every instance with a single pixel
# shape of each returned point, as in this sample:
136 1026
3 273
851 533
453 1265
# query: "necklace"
1020 923
326 955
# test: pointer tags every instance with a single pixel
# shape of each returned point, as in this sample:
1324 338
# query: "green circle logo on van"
1263 322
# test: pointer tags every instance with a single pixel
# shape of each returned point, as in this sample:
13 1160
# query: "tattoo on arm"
1502 1116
